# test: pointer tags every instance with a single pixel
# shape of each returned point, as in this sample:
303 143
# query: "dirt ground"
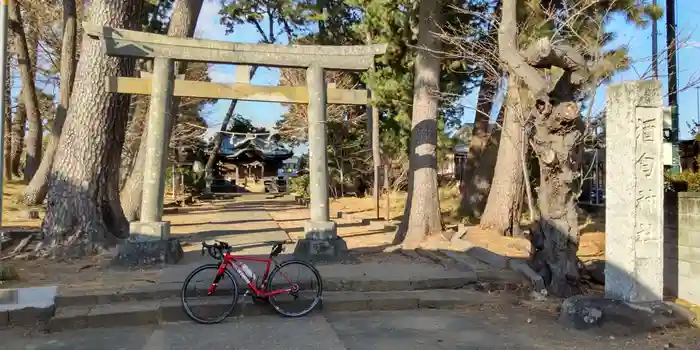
592 243
14 213
367 241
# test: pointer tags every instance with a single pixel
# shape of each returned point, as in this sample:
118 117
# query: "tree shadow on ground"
228 222
620 317
213 234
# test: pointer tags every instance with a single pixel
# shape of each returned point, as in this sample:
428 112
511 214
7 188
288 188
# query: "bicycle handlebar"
216 250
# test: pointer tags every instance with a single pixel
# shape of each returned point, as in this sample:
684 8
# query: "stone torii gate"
151 233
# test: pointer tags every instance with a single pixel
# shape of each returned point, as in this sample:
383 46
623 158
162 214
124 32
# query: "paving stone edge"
158 291
153 312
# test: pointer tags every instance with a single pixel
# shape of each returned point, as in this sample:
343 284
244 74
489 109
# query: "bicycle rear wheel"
205 308
304 282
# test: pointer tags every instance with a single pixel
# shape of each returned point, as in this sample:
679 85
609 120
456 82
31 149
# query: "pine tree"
559 58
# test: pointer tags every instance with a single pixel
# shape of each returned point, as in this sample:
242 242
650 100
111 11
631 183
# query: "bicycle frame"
229 260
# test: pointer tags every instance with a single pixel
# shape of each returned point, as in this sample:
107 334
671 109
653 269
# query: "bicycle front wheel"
207 296
302 286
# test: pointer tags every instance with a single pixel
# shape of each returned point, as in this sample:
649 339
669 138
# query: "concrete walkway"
485 328
243 222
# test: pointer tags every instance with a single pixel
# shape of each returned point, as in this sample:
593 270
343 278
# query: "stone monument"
634 244
634 192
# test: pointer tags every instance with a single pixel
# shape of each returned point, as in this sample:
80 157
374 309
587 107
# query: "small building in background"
460 149
689 151
249 157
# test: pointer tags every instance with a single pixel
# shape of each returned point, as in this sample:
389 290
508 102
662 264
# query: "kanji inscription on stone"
645 163
646 129
644 232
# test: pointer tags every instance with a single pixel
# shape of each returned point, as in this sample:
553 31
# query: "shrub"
193 182
686 181
300 185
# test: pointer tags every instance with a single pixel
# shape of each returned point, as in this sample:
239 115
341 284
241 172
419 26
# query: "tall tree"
24 45
83 212
29 96
504 203
478 172
560 63
7 120
422 213
182 24
35 192
479 168
396 23
19 125
155 18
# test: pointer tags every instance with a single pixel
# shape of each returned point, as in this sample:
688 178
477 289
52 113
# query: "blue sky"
688 56
261 113
638 41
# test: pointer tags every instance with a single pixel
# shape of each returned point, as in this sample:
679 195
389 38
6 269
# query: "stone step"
158 291
150 312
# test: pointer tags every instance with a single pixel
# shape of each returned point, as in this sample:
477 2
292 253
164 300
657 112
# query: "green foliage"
686 181
300 185
242 124
304 161
193 182
396 24
287 17
155 15
583 25
652 12
356 22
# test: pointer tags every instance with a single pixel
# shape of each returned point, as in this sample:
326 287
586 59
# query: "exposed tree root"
20 247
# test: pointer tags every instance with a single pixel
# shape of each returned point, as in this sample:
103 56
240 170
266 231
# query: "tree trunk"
19 122
504 204
83 213
556 236
132 139
476 180
422 213
7 123
130 195
218 139
35 192
487 161
134 135
557 144
24 44
182 24
478 171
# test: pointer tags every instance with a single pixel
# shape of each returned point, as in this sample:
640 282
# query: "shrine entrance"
321 239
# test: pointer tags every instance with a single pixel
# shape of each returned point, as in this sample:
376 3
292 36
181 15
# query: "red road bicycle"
265 290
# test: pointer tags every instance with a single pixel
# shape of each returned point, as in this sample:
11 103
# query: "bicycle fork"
218 277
